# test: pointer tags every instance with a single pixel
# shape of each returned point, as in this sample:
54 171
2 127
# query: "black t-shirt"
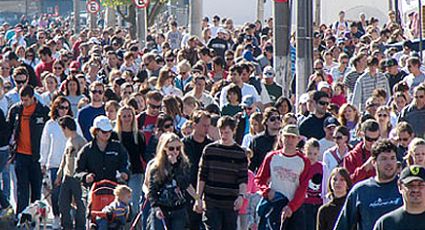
194 152
219 45
136 152
312 126
399 219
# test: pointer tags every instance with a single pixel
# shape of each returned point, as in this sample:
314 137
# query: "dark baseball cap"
391 62
411 173
330 121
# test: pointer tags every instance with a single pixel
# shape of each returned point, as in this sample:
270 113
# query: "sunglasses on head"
370 139
173 148
96 91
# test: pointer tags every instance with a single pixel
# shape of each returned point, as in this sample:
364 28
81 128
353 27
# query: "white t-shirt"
246 90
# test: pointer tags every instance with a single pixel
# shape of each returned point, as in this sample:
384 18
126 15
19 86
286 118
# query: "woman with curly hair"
348 116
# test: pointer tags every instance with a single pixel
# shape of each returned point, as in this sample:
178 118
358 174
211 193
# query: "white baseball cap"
268 72
103 123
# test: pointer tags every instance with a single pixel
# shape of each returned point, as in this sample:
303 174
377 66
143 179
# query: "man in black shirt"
312 125
193 147
218 43
393 73
411 215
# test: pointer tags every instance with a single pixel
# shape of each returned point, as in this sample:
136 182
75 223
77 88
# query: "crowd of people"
197 132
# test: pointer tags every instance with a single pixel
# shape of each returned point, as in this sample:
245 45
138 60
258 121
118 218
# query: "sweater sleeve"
349 214
300 192
263 175
45 145
203 166
357 173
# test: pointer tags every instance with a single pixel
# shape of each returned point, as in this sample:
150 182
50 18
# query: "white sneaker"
56 223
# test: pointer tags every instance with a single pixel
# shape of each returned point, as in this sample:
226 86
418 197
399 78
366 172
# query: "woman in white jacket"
52 147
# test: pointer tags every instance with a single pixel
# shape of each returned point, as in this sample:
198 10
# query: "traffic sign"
141 3
92 6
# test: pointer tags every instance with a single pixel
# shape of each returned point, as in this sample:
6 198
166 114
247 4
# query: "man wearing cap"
27 119
328 141
249 106
218 43
102 158
371 198
312 125
274 89
282 180
393 73
411 215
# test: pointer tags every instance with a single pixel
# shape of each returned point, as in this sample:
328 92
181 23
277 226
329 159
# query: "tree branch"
126 18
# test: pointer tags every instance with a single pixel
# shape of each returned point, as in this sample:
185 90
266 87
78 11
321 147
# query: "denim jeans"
175 219
4 156
217 218
135 183
28 174
71 189
55 191
5 176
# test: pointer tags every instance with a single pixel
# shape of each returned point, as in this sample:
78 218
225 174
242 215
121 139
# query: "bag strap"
338 160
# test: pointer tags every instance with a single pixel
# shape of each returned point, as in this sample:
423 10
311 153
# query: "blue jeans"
55 191
28 174
218 218
5 174
135 183
4 156
175 219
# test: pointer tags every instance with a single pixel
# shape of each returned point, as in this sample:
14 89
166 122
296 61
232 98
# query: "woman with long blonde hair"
416 152
168 183
134 142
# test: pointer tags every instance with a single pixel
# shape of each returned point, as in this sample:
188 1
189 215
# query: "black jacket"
104 164
5 130
37 121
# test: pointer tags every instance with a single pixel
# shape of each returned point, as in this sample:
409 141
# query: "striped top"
365 85
223 169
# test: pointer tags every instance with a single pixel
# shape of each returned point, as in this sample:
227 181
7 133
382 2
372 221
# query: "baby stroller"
101 194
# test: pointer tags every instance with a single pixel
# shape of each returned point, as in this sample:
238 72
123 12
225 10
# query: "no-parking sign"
92 6
141 3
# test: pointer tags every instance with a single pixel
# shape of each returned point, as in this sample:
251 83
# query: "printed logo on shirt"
112 153
39 120
286 174
382 203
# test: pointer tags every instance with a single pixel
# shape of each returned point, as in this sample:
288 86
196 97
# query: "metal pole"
397 13
420 28
317 12
260 10
195 15
76 7
281 34
304 45
141 26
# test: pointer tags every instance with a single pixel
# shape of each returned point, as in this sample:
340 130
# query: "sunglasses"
105 132
96 91
20 82
59 68
183 73
274 118
155 106
167 126
370 139
63 107
173 148
323 103
419 97
248 108
170 60
338 137
403 139
383 115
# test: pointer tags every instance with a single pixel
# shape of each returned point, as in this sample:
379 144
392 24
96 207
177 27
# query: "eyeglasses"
419 96
274 118
154 106
370 139
167 126
63 107
338 137
383 115
318 68
173 148
323 103
96 91
20 82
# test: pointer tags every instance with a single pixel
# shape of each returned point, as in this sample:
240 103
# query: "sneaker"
56 223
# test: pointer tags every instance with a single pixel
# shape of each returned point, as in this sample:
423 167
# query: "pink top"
250 189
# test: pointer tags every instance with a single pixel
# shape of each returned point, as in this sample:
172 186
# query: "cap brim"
106 129
409 179
290 134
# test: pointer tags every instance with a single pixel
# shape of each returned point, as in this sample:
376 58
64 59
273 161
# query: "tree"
153 10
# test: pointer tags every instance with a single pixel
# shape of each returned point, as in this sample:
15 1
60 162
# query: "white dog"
32 216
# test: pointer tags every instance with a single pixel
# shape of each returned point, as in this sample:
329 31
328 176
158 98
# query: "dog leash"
139 215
